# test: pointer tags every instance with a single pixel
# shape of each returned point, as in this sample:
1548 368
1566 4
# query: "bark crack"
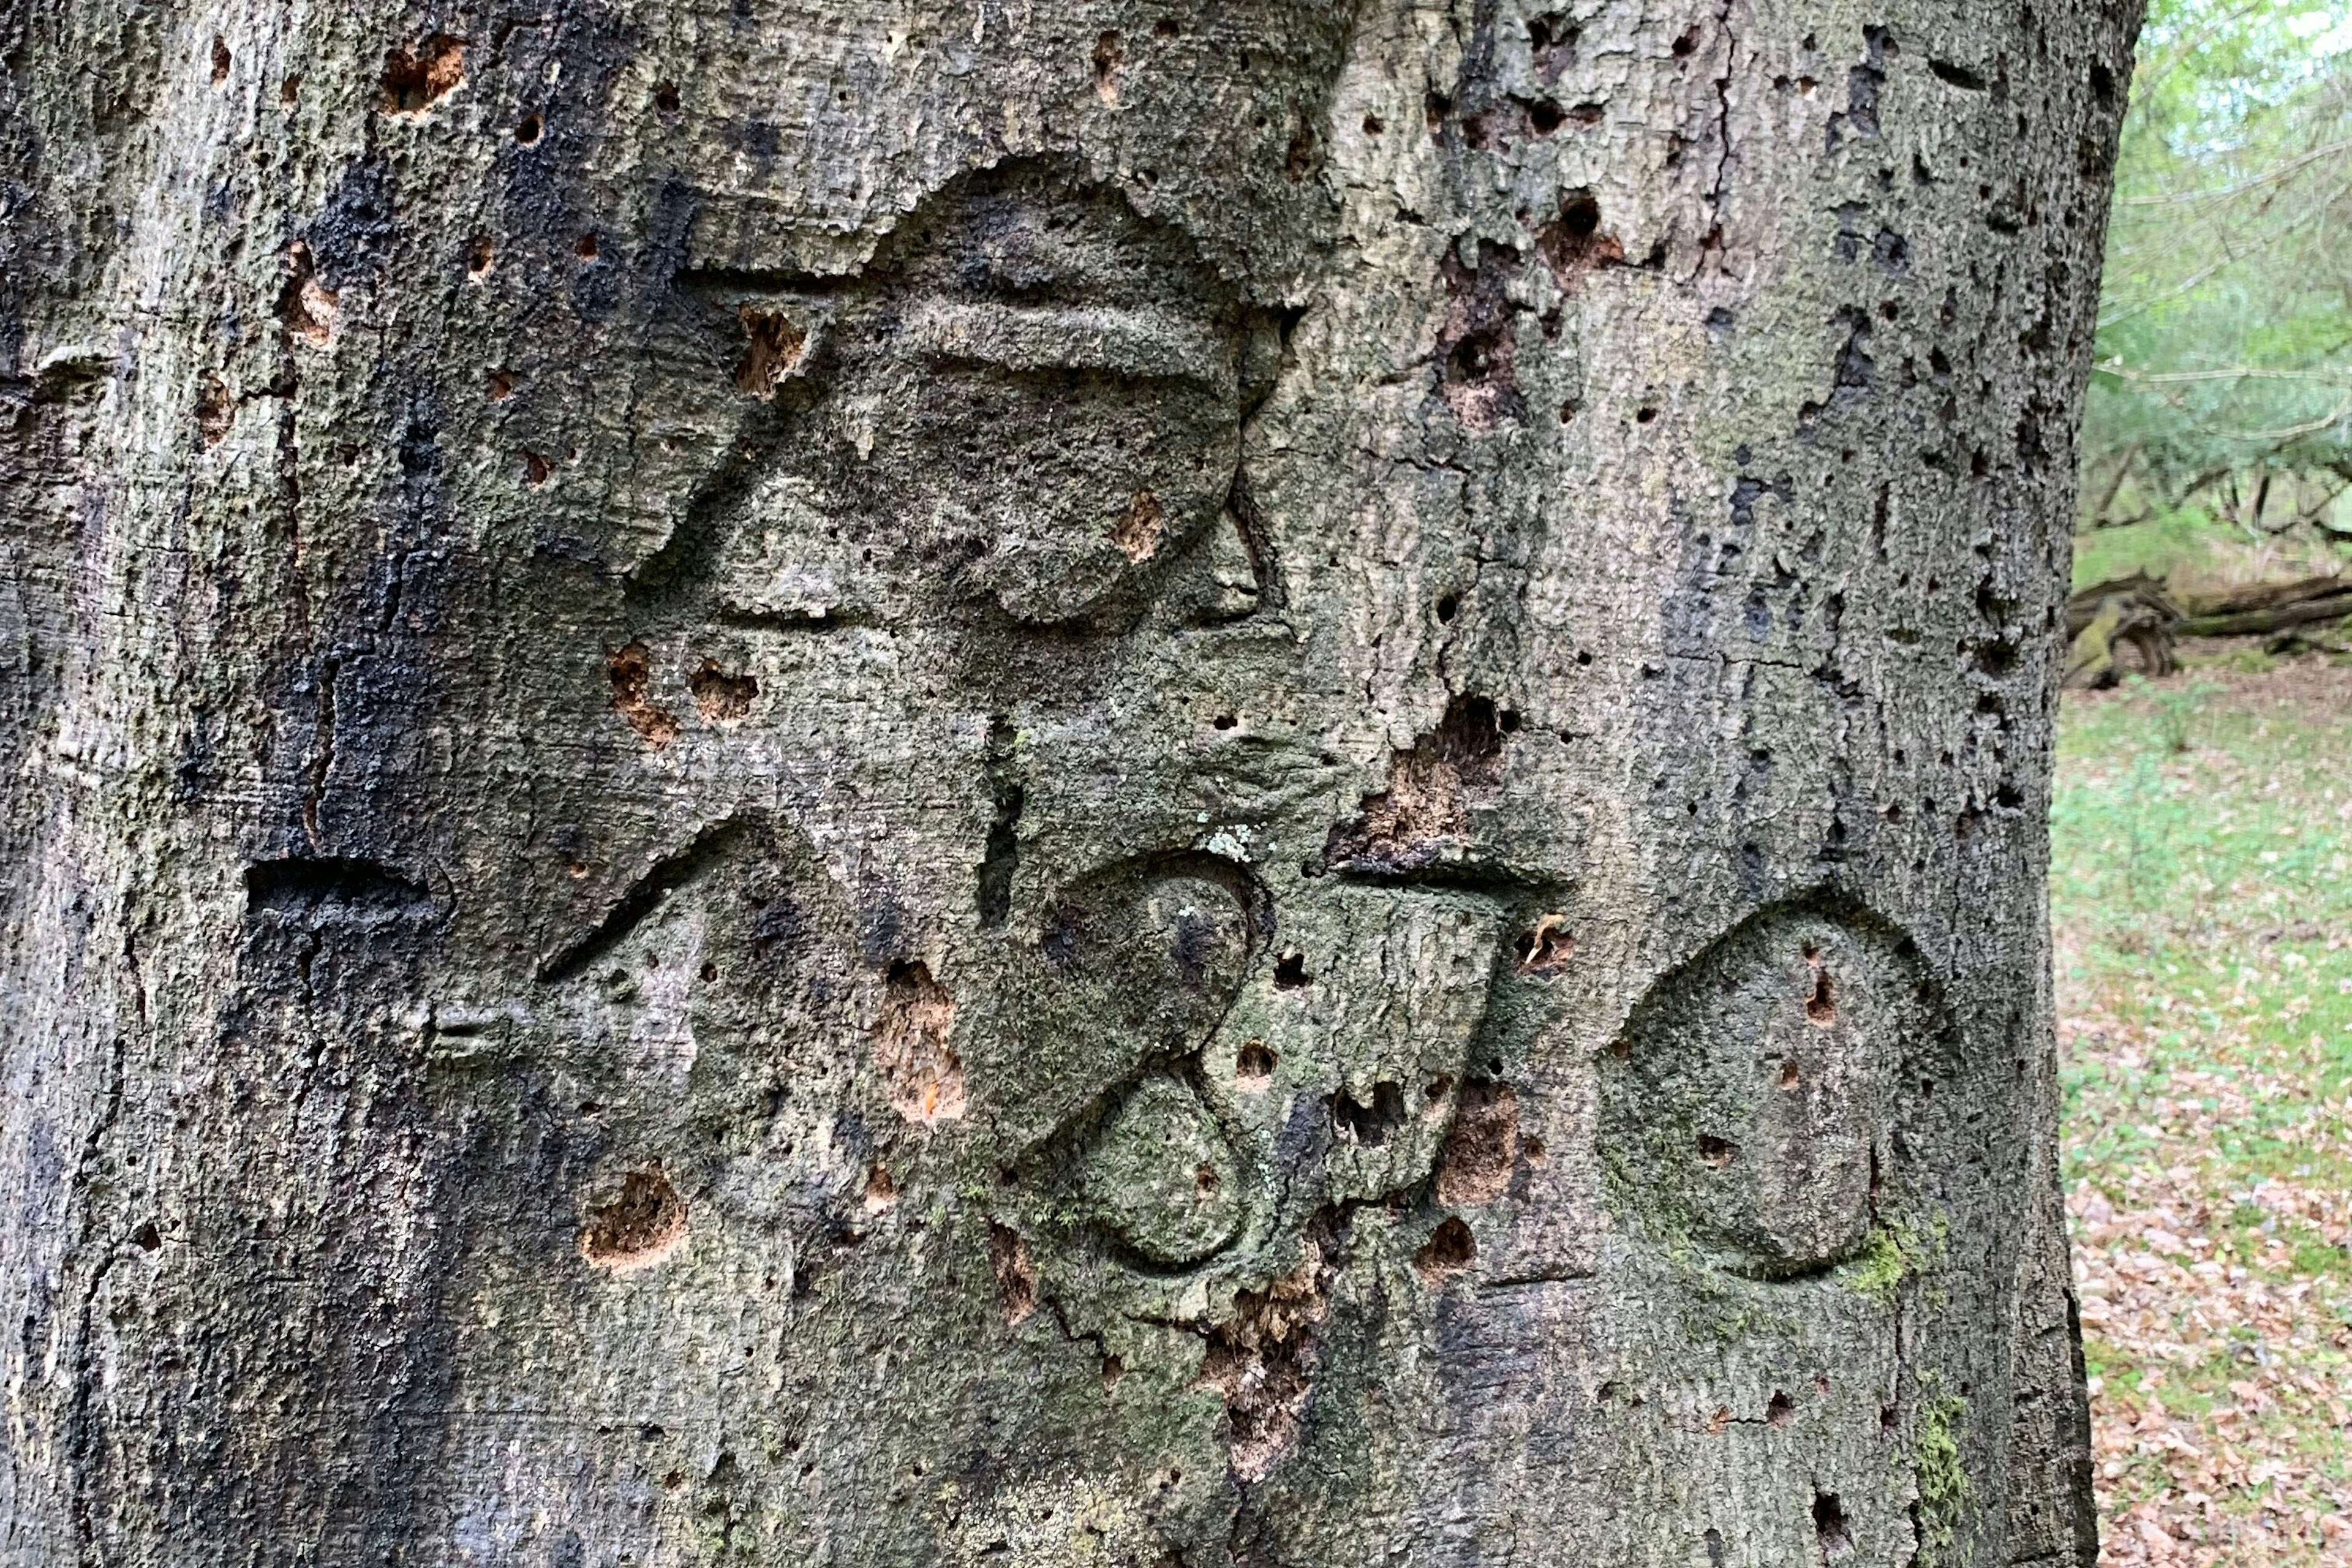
1723 117
322 753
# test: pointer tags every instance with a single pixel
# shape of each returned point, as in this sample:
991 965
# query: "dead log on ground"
2138 617
2132 615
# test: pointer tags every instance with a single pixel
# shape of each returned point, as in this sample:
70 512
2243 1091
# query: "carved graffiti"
1749 1104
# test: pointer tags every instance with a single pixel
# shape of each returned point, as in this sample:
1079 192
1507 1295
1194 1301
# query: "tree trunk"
1226 781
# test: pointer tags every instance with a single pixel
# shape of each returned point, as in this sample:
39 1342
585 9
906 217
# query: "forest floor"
2201 891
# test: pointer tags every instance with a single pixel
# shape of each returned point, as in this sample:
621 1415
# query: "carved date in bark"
1032 397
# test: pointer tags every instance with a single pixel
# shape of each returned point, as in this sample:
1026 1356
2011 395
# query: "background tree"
1222 780
2224 363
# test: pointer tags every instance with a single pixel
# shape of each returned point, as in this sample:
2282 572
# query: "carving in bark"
1240 782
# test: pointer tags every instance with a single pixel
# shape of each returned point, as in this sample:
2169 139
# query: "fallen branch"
2269 619
2138 616
2102 622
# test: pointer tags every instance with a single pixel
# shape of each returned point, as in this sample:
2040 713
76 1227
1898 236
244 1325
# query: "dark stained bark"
1236 781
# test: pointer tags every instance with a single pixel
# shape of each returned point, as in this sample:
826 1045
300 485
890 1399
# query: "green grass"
2201 892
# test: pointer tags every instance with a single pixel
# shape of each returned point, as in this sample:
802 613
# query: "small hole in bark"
1780 1411
1372 126
1716 1151
1166 28
720 697
630 671
1828 1522
1579 218
1447 606
1113 1368
220 62
1546 117
1451 1249
527 130
1687 45
1370 1125
1476 356
1788 1073
1820 1007
215 411
290 90
311 311
638 1228
666 97
586 249
147 1237
410 82
536 469
881 1192
1300 156
500 384
1204 1180
1253 1067
1547 948
1107 59
480 255
1225 720
1290 972
1570 410
1645 416
709 971
773 347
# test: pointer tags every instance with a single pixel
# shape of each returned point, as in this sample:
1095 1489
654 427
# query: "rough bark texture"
1068 781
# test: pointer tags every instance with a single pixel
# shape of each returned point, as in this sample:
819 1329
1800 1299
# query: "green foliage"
2224 350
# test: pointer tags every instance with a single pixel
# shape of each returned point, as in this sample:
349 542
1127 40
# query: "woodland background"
2202 823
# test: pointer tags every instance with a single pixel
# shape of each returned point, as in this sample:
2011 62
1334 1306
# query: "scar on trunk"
1483 1148
1424 808
1017 1277
1262 1361
719 697
631 673
1450 1250
637 1229
910 1046
412 82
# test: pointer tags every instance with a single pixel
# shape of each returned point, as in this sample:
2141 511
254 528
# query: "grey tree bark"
1037 782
